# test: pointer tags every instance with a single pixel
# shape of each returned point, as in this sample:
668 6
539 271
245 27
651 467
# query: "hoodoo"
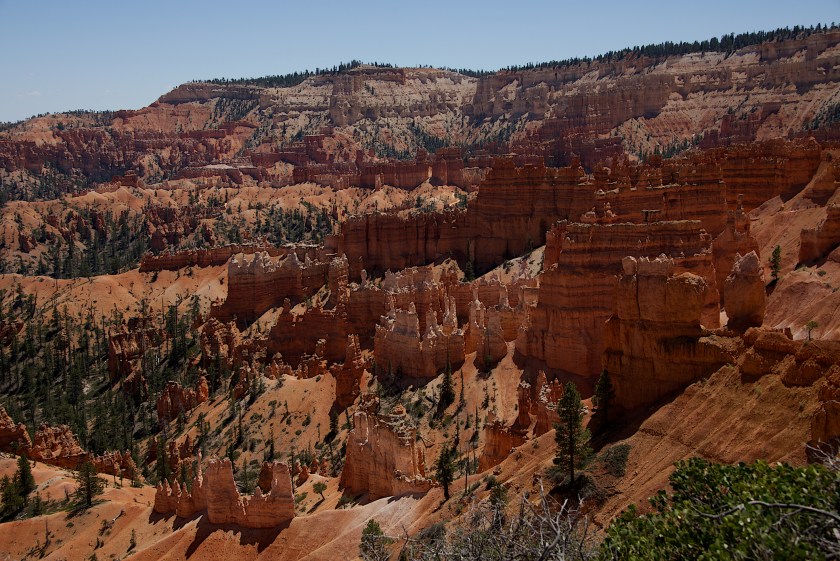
380 312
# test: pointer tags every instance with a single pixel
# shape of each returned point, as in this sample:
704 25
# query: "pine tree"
319 487
571 437
446 469
10 494
810 326
374 544
162 467
23 479
89 484
333 427
776 262
604 394
447 391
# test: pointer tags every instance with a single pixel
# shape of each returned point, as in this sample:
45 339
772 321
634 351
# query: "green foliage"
604 394
24 478
754 511
615 459
728 43
776 262
445 468
571 437
810 326
374 544
319 487
12 501
88 485
828 116
447 391
294 78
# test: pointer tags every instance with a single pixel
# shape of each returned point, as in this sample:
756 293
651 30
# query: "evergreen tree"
89 484
333 426
447 391
162 465
374 544
776 262
10 494
604 394
446 469
319 487
810 326
23 479
571 437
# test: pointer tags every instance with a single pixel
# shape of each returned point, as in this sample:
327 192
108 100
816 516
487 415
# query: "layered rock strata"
176 399
654 342
577 292
744 296
259 282
214 490
384 457
401 348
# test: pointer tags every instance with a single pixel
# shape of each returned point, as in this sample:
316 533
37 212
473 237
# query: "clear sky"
57 55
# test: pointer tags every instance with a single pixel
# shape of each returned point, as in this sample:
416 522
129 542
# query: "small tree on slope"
571 437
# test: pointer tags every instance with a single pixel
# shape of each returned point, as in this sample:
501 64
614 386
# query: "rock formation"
825 424
58 446
384 457
400 347
348 376
743 293
818 242
734 240
215 492
485 335
577 292
654 343
12 435
175 399
126 346
260 282
499 440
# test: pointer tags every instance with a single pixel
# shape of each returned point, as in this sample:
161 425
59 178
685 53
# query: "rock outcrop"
58 446
654 343
384 458
13 435
213 257
259 282
499 441
734 240
825 424
403 350
485 335
126 346
744 296
577 292
348 375
818 242
214 490
176 399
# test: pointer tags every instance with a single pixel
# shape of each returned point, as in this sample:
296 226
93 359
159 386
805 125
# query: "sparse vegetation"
571 437
776 263
88 485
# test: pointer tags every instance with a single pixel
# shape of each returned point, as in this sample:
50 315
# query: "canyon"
277 310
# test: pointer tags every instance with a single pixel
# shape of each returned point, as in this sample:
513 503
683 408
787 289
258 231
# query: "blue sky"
60 55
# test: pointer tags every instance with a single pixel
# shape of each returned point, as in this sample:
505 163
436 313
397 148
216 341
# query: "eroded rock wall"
384 458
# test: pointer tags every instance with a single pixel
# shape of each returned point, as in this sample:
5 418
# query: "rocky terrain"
264 313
